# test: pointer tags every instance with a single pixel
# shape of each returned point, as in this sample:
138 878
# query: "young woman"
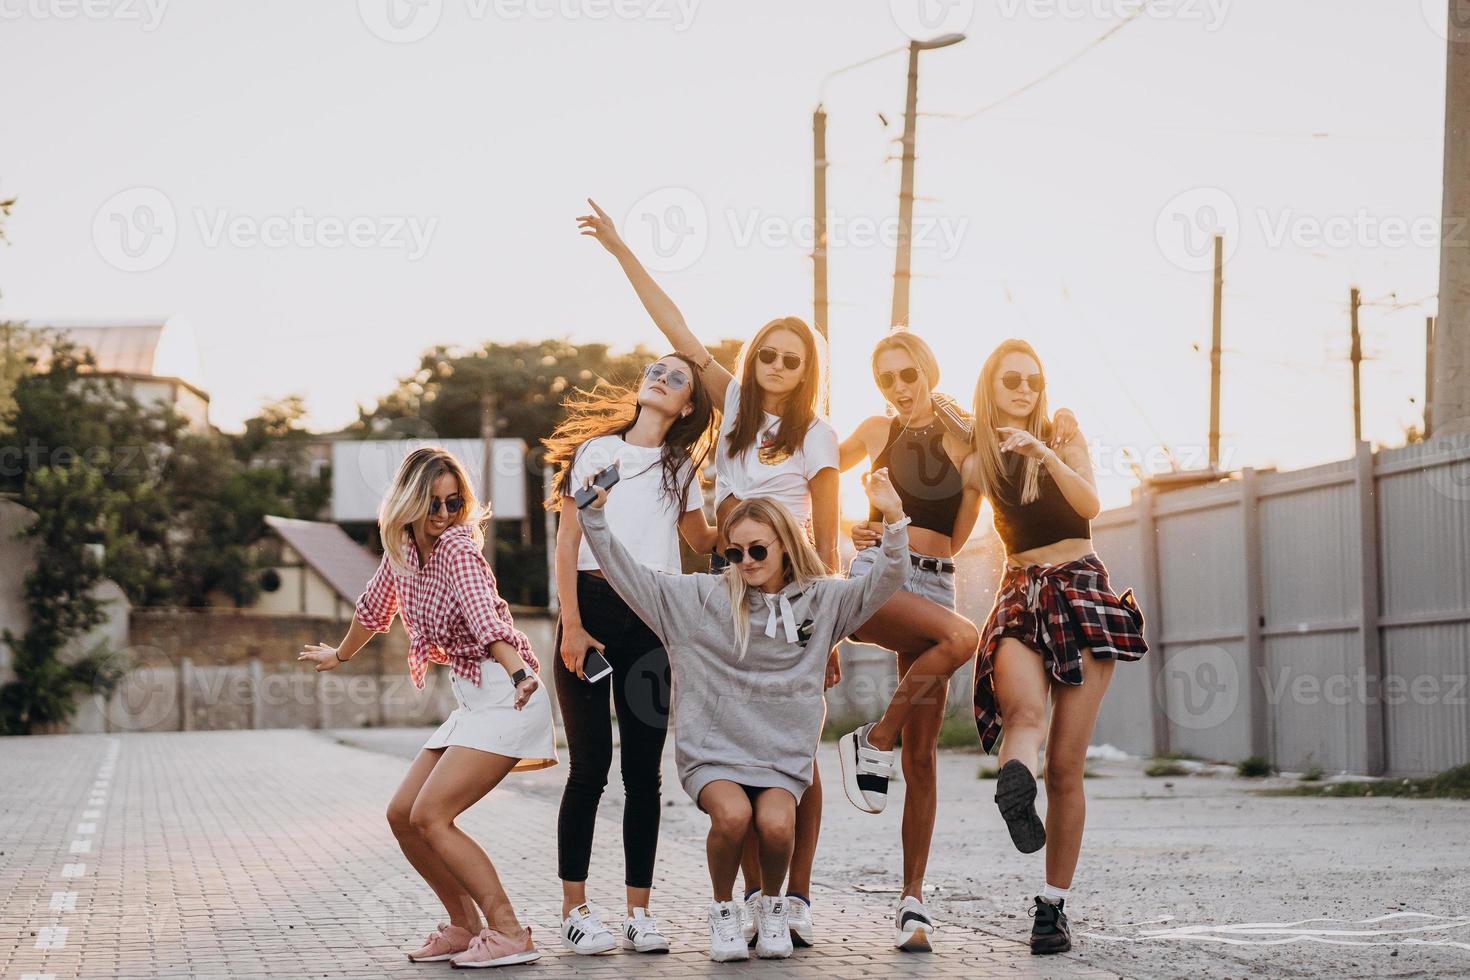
773 443
658 435
1056 628
432 574
923 446
748 701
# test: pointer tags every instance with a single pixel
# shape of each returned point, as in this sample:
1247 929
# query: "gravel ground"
1195 876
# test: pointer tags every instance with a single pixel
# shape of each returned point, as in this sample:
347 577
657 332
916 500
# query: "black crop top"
1046 520
924 476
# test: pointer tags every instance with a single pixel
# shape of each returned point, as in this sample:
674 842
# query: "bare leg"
808 827
921 777
1021 685
750 862
463 777
775 827
730 818
1074 712
944 641
457 902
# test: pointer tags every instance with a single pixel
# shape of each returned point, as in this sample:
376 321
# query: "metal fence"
1316 618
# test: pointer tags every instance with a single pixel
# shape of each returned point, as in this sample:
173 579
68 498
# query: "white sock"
1053 894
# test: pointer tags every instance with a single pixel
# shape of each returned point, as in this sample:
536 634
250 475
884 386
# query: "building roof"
343 563
163 347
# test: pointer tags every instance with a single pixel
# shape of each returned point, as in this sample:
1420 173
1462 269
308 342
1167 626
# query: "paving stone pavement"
266 853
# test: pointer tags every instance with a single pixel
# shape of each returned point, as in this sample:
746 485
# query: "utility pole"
487 466
902 264
1215 353
1428 375
1356 355
1450 410
819 213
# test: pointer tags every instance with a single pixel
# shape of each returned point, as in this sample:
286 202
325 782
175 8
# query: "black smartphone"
595 665
607 479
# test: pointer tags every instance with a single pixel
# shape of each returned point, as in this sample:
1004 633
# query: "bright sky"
253 138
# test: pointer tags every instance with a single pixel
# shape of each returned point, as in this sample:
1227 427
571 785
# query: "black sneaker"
1050 932
1015 794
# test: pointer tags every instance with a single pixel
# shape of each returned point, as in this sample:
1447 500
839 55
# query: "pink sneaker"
442 943
491 948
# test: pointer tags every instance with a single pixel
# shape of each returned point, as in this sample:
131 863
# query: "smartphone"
607 479
595 665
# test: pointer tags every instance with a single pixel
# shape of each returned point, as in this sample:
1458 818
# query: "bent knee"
398 819
425 820
961 642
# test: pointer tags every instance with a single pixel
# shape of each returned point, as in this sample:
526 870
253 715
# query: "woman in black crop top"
1056 628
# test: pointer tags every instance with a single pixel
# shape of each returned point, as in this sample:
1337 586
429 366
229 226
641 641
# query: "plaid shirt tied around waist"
1058 611
450 606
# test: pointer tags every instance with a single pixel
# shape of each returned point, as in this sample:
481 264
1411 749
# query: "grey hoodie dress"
754 720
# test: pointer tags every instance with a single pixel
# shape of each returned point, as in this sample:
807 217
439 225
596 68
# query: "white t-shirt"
639 513
761 472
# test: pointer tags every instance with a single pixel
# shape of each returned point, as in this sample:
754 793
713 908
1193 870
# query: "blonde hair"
408 499
915 347
800 561
990 470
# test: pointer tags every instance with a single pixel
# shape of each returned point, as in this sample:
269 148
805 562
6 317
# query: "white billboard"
363 469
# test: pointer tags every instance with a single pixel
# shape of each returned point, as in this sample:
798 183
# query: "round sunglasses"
1012 380
908 376
736 555
453 505
768 355
673 377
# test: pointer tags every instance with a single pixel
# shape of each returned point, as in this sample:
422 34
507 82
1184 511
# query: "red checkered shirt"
451 607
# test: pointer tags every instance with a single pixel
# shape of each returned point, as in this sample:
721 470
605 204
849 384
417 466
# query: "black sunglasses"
675 378
768 355
453 505
736 555
1012 381
908 376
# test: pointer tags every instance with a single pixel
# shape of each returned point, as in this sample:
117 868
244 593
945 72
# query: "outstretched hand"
599 226
882 495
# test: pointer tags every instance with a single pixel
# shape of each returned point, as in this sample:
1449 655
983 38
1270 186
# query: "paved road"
260 853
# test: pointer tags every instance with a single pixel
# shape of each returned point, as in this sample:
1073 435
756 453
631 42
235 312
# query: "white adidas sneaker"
583 933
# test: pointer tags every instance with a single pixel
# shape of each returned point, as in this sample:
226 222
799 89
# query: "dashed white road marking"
38 976
86 828
91 814
1307 931
51 937
73 870
81 846
63 901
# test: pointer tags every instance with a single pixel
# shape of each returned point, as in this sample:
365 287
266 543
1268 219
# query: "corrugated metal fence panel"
1424 523
1310 583
1125 719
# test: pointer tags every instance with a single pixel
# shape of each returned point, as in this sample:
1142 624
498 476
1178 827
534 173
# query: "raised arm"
645 591
660 307
859 598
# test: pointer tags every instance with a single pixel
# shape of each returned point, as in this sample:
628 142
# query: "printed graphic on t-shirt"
769 453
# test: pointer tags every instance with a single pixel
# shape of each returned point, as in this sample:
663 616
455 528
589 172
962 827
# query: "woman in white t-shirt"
659 436
773 443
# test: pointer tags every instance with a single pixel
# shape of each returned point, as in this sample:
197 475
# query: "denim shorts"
934 585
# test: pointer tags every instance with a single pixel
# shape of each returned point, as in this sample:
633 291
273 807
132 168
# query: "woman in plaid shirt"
433 575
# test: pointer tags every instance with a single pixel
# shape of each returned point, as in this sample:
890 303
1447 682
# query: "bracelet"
518 676
338 655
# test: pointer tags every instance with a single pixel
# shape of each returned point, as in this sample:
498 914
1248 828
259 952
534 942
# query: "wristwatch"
518 676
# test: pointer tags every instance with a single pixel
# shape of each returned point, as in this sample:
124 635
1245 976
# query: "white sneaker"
799 918
865 770
774 939
725 943
641 933
912 926
582 932
750 918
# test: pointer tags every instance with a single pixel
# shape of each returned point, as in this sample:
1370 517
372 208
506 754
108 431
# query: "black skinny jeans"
640 694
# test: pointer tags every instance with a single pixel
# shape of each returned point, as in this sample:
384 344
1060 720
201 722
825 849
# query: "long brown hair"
990 469
610 410
800 407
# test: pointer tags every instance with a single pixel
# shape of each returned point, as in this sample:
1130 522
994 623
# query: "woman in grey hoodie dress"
748 705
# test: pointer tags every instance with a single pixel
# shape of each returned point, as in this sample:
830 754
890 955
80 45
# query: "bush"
1254 767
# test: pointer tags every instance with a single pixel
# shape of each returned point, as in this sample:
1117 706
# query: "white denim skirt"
486 719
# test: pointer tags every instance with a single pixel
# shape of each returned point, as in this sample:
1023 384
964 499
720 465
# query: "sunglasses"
908 376
1012 380
675 379
736 555
768 355
453 505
